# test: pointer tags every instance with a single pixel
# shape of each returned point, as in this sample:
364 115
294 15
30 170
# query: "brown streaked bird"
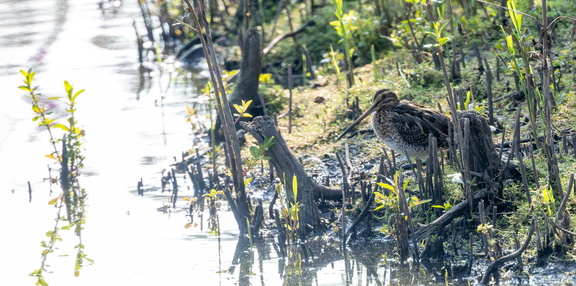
403 125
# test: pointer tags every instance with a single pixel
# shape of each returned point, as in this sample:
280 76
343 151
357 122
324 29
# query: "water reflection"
324 264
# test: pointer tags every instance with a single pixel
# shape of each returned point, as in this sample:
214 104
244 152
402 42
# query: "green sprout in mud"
548 199
70 159
470 103
258 153
191 115
392 201
290 216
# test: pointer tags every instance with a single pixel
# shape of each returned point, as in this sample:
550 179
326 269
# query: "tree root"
494 266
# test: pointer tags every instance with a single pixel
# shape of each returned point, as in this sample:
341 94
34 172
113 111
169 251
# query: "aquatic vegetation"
70 159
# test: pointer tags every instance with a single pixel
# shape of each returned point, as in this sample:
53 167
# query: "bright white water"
128 136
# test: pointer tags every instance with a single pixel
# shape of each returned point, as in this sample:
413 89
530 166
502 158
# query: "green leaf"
268 142
254 151
386 186
61 126
53 202
41 282
238 108
246 104
379 207
405 184
76 94
67 86
419 202
295 187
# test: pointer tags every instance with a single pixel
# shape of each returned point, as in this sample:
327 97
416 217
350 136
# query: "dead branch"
360 217
456 211
494 266
563 229
276 40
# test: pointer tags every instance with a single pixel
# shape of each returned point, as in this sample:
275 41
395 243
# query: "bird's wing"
414 122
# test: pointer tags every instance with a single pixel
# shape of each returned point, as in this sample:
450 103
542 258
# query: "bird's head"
383 99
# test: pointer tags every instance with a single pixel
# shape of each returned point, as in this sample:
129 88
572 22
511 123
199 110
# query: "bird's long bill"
364 115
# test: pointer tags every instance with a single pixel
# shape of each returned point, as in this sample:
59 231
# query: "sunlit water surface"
128 136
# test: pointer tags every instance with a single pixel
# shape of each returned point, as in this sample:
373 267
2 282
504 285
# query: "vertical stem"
290 100
554 176
228 127
489 93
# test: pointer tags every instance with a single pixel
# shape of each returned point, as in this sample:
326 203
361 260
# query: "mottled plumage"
403 125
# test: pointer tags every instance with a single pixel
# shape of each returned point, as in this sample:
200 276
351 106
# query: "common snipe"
403 125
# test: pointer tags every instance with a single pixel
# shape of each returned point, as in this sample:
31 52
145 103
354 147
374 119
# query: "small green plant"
212 199
485 228
334 61
214 149
519 50
70 159
344 27
258 152
392 200
470 103
290 217
446 206
242 110
399 208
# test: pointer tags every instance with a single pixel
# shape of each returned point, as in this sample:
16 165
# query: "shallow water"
134 127
133 131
